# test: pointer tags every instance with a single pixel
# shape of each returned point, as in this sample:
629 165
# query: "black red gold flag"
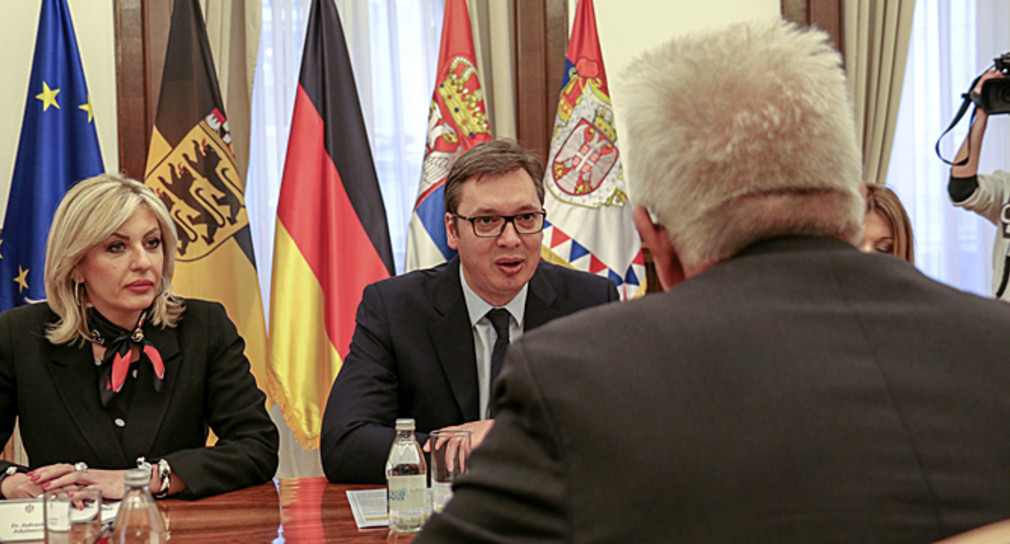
331 238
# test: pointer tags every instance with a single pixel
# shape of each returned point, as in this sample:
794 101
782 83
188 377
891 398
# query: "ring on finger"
80 466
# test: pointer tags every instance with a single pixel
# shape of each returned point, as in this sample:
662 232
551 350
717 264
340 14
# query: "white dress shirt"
484 335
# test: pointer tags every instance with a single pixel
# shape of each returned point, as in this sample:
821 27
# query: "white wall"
95 27
628 28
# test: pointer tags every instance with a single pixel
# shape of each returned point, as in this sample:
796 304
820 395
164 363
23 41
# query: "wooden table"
297 510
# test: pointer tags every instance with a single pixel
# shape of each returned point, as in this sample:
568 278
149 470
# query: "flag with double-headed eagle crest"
589 224
191 166
457 121
58 147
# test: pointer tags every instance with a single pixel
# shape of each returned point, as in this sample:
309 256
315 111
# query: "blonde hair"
883 201
741 134
88 214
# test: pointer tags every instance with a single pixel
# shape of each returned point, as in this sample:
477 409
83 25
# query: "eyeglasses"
490 226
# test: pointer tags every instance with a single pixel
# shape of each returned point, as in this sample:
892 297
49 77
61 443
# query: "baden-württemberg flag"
58 147
331 239
192 167
588 214
457 121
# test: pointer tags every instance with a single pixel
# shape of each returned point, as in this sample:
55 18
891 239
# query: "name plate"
21 519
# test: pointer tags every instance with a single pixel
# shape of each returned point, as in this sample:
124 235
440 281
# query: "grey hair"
740 134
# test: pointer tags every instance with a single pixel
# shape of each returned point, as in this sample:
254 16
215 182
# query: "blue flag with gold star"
58 147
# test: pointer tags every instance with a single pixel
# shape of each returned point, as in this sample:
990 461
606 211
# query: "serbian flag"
331 240
589 224
191 166
58 147
457 121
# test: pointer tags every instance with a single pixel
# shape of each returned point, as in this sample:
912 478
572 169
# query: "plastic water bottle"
407 481
138 520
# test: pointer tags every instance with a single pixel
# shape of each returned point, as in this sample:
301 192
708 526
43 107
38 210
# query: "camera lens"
1004 95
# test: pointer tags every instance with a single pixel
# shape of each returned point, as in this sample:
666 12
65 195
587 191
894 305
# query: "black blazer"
412 355
801 392
54 391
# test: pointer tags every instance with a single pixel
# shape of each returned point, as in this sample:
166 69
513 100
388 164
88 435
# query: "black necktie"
500 321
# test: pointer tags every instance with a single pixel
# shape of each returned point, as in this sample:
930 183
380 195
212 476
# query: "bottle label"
407 492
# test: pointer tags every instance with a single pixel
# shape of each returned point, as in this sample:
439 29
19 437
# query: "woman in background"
886 228
113 371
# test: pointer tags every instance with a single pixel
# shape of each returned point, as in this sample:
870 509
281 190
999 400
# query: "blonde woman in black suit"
113 371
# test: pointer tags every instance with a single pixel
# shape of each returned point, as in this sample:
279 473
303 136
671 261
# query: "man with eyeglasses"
429 344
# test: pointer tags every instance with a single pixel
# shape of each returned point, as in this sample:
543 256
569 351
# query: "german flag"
191 165
331 239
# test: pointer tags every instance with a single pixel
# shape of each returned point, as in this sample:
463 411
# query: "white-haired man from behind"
786 387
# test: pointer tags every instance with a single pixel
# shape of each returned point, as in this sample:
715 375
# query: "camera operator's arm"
963 181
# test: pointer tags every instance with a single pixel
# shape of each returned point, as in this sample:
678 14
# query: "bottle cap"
137 477
405 424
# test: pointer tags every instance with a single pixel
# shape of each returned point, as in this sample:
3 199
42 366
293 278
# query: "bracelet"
11 470
165 473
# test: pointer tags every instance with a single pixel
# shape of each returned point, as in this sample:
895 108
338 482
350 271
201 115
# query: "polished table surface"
293 510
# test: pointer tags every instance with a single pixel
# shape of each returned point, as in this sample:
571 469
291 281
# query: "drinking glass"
72 515
449 453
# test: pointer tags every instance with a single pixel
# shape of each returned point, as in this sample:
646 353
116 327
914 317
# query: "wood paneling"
141 37
131 88
827 16
824 14
541 39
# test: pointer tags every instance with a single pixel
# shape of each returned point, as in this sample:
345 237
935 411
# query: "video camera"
995 95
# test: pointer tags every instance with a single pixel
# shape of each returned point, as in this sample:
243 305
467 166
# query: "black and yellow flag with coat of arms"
192 167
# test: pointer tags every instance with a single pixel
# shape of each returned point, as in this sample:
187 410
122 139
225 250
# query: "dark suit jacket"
412 355
799 392
54 390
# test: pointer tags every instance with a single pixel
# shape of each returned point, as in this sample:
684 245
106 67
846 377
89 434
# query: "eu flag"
58 147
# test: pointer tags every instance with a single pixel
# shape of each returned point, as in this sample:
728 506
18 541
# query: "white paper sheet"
368 507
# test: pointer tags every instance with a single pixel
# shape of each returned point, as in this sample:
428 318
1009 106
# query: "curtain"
394 52
952 41
876 45
492 22
282 37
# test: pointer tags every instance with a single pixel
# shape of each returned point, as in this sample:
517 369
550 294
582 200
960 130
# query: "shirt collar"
476 307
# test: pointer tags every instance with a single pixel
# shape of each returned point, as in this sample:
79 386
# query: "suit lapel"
540 300
452 337
73 374
149 406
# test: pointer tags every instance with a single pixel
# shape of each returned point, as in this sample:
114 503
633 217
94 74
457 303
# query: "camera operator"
985 194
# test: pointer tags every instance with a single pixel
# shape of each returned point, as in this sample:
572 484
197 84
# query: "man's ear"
451 236
664 255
